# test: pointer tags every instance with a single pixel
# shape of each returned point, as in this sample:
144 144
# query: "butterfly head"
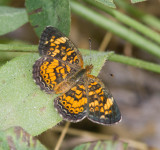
89 68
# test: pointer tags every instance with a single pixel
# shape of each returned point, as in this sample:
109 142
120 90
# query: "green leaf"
17 138
22 103
49 12
102 145
137 1
109 3
11 19
97 59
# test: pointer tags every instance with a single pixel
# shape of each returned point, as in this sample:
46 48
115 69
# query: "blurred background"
136 91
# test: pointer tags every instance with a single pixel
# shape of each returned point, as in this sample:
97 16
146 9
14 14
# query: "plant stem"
116 28
111 56
128 21
143 16
135 62
18 48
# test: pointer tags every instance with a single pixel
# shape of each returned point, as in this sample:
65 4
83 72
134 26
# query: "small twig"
98 136
64 131
128 50
105 41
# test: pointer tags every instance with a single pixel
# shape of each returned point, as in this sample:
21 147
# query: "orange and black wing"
60 60
56 44
72 105
102 108
48 72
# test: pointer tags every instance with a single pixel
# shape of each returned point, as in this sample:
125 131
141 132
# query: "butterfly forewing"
60 60
49 72
56 44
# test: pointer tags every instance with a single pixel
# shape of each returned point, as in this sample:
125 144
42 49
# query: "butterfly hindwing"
102 108
72 104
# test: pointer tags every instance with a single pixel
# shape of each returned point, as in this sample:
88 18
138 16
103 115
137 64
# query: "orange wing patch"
49 72
72 105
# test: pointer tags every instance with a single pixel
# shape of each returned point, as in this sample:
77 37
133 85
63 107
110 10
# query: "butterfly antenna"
90 46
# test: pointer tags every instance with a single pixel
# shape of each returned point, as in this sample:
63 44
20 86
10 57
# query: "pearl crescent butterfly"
60 70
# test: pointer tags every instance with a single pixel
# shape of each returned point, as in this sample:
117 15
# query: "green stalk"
111 56
18 48
115 28
143 16
9 51
128 21
135 62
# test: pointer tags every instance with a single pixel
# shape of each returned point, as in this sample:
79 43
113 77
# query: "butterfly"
60 70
